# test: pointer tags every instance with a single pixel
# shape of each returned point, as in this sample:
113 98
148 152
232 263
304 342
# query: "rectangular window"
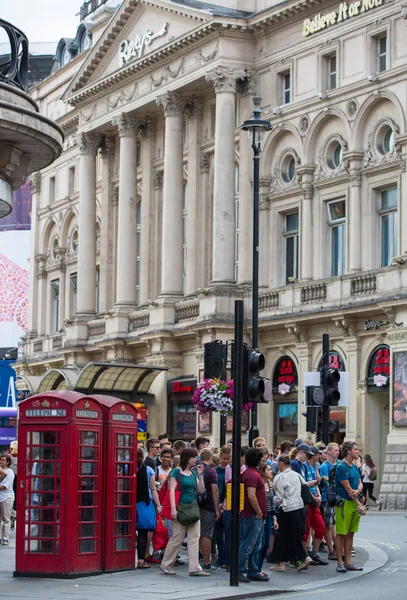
291 229
73 292
97 303
381 53
184 237
55 306
51 189
286 87
236 222
337 235
388 225
331 67
138 154
71 180
138 251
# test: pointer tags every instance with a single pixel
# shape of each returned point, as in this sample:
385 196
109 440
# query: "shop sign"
399 389
379 368
186 386
343 12
135 48
335 361
285 375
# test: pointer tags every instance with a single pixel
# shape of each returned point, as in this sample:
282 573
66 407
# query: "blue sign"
7 384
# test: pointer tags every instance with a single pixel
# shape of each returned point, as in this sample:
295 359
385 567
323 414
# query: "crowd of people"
302 505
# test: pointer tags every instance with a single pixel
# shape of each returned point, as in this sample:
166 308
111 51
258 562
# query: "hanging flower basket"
216 395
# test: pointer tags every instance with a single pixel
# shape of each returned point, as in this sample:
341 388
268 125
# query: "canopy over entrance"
58 379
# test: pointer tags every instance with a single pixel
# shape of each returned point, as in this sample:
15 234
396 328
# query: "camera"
339 501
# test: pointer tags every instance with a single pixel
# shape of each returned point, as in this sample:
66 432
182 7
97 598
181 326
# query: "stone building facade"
143 226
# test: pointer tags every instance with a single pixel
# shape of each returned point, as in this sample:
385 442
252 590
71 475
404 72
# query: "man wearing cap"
314 517
297 463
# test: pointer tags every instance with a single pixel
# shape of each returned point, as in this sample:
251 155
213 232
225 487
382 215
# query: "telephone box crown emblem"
123 408
87 404
45 404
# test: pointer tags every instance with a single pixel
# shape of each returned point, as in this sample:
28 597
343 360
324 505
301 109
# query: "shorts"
207 524
315 522
347 519
328 514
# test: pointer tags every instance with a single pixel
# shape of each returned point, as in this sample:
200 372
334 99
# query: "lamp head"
256 126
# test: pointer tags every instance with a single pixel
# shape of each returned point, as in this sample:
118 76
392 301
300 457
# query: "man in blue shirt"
348 487
314 517
328 512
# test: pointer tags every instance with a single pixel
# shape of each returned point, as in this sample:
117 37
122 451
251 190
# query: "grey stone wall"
393 491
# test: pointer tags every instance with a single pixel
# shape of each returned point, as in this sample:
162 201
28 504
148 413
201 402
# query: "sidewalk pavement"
151 584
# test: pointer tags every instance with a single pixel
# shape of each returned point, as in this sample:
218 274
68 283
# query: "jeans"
251 543
220 540
227 521
268 528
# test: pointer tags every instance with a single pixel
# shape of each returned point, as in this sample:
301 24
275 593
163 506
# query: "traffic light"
314 395
215 358
329 381
258 388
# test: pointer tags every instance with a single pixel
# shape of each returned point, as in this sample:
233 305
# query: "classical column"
223 253
401 145
205 248
264 239
157 232
41 278
106 233
355 256
114 202
245 216
147 205
62 288
35 185
306 231
171 270
88 145
127 215
194 113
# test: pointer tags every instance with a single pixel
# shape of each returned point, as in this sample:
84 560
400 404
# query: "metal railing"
14 56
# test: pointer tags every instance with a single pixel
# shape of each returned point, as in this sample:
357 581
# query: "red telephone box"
59 498
120 465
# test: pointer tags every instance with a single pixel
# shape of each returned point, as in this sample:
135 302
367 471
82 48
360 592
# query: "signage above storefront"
181 386
285 377
378 375
345 11
135 48
335 361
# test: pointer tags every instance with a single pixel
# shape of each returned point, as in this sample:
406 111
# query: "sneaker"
318 560
295 565
199 574
341 569
380 505
207 567
243 579
353 567
305 564
258 577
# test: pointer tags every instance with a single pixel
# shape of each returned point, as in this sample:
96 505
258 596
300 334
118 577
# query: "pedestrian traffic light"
258 388
215 358
329 381
314 395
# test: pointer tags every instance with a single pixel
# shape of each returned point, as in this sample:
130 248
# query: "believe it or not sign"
135 48
182 386
345 11
285 376
378 374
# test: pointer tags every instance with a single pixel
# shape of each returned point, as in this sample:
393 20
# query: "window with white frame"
184 237
381 53
236 222
97 290
55 306
388 225
290 235
331 71
138 250
285 87
73 293
337 236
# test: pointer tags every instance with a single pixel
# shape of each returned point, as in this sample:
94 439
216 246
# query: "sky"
43 20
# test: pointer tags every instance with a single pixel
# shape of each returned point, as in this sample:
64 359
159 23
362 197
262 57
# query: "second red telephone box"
120 465
59 497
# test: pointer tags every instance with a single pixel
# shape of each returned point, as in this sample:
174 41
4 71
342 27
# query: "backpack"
305 492
373 474
202 498
331 490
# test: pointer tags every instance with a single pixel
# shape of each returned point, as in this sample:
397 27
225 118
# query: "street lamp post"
255 126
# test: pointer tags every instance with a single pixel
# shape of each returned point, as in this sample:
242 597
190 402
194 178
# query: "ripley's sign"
135 48
344 12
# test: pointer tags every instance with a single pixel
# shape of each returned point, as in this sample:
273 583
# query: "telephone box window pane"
44 483
123 500
122 529
86 546
89 438
42 468
88 453
124 440
41 546
87 530
124 455
44 499
89 468
122 544
44 453
123 485
45 437
45 531
87 499
87 514
89 484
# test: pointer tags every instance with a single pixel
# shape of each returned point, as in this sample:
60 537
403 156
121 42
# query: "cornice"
277 15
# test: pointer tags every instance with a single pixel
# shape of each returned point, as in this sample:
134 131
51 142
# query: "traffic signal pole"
325 409
236 443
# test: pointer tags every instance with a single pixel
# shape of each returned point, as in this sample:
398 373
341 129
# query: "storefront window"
287 417
183 420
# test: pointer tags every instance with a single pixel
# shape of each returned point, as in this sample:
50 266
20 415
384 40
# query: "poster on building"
400 389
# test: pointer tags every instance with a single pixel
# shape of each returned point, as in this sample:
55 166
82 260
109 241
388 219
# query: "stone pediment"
137 29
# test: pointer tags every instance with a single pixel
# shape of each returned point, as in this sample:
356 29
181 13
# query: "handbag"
146 516
373 474
160 535
188 514
305 493
166 505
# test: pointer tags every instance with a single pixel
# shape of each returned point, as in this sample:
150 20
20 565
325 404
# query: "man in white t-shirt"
6 496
